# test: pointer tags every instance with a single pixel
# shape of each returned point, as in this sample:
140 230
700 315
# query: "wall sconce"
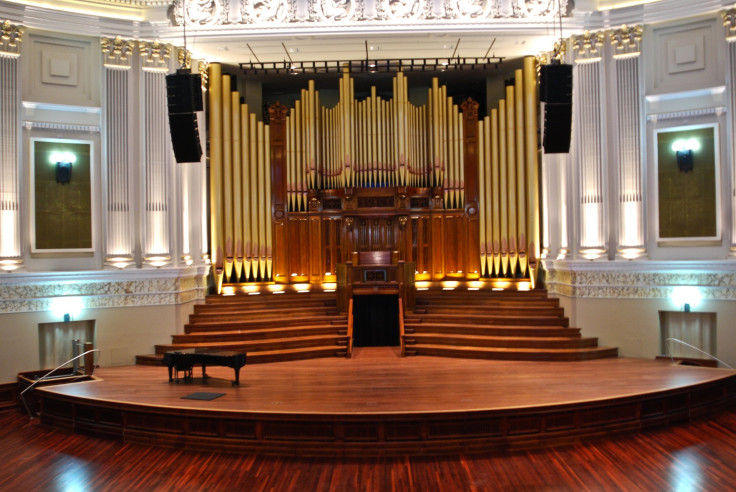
686 297
63 161
684 149
68 308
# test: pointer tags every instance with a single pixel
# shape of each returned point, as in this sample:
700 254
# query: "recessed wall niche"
61 198
55 340
687 181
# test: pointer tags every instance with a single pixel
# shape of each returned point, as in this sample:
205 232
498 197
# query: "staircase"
268 327
502 325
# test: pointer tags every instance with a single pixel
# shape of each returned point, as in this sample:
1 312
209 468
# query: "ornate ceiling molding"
212 13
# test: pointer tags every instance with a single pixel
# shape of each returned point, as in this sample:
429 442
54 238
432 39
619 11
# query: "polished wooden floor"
699 456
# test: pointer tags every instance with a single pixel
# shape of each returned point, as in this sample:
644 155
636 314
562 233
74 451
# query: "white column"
729 18
156 156
10 172
590 149
625 43
117 175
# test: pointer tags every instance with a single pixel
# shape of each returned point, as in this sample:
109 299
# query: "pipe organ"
240 186
292 199
508 175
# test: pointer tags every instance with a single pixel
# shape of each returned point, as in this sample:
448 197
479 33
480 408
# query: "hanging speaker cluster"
184 93
555 90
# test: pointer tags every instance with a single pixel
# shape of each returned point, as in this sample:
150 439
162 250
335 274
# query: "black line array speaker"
555 83
184 94
557 128
555 90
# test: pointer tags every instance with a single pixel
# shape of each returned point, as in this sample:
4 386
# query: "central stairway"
501 325
267 327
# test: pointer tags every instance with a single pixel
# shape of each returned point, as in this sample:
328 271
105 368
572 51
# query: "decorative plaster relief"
632 280
101 290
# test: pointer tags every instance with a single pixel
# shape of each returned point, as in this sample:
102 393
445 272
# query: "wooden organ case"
454 197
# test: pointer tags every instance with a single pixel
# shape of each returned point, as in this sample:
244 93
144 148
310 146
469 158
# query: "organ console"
454 196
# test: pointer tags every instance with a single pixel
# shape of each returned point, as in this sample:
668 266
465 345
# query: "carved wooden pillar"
277 114
472 246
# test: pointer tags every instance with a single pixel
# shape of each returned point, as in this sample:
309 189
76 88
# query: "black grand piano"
184 360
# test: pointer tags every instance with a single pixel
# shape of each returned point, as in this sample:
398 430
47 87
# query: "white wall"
122 333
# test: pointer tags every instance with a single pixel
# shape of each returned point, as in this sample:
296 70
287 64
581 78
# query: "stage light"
686 297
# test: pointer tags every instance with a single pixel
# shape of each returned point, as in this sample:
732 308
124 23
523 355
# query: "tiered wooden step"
269 328
502 325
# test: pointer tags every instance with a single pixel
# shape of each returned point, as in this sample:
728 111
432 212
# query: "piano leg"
170 375
237 377
204 372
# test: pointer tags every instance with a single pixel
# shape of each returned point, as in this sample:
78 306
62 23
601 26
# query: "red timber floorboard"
380 404
698 456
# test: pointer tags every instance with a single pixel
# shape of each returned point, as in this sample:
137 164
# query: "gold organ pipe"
530 126
511 178
482 199
261 206
487 185
236 183
520 170
452 154
252 238
496 190
215 130
290 158
446 151
461 160
503 182
246 186
317 117
373 156
299 162
267 208
227 172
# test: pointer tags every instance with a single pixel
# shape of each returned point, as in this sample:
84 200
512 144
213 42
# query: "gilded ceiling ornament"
117 52
154 55
729 20
203 68
588 45
626 40
184 57
10 38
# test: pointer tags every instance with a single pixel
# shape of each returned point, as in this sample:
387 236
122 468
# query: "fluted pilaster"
119 223
626 45
590 144
10 172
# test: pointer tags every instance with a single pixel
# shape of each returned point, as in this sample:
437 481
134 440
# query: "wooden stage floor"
380 403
